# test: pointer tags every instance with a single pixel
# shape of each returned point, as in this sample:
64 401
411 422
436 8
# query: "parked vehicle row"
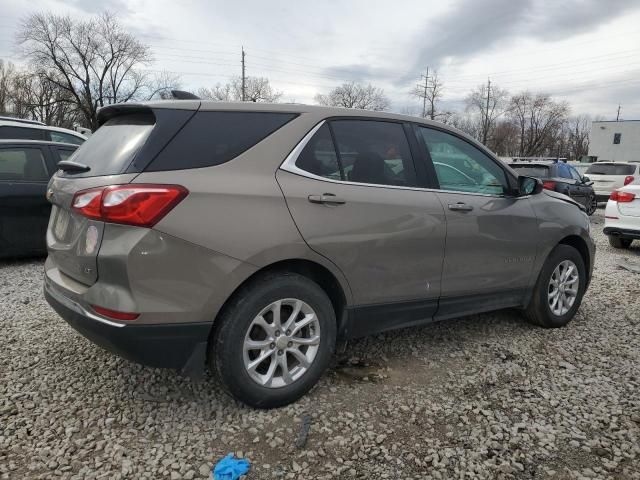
562 178
609 176
19 129
250 237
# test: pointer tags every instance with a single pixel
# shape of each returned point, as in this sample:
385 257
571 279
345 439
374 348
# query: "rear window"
22 133
112 147
213 138
538 171
611 169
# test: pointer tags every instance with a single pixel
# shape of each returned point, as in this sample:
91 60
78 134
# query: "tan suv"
249 237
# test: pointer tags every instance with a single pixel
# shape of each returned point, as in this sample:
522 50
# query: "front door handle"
460 207
326 199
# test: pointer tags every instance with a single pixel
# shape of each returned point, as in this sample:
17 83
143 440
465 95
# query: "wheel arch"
580 245
308 268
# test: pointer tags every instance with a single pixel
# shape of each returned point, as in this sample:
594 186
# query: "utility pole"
422 92
618 115
244 95
486 114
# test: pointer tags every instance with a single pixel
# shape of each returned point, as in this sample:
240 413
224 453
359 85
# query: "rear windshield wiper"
71 166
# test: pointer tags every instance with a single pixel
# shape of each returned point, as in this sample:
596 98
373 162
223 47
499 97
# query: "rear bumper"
622 232
180 346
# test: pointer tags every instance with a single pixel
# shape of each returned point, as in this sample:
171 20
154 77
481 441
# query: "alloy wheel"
563 288
281 343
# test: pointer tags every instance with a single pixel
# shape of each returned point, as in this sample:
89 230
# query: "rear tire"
617 242
249 329
592 205
552 286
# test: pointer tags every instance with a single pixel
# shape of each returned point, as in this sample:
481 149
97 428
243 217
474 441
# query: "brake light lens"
116 315
549 185
140 205
622 197
628 179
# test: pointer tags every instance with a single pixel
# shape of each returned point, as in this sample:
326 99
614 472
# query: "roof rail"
21 120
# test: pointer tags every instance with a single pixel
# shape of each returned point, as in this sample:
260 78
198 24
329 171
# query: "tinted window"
319 156
611 169
374 152
22 164
563 170
22 133
474 171
538 171
112 147
212 138
65 138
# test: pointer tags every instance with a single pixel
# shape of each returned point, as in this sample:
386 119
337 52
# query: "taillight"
622 197
549 185
628 179
116 315
139 205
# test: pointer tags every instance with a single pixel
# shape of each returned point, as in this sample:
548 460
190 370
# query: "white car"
609 176
622 216
19 129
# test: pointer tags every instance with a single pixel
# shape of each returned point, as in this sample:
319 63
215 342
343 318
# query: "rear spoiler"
107 112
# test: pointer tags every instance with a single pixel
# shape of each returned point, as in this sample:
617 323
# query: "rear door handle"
326 199
460 207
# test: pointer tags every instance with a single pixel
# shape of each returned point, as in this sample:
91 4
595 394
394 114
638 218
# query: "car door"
491 233
353 192
24 209
582 191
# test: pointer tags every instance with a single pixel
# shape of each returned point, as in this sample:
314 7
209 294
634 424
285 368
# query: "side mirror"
529 185
586 180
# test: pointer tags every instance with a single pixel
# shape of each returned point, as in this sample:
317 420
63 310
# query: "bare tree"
431 95
488 103
540 122
257 89
7 78
354 95
578 136
94 60
162 84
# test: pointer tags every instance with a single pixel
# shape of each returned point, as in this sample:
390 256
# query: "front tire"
617 242
559 290
592 205
274 340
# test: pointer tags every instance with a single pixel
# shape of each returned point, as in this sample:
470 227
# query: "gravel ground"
486 396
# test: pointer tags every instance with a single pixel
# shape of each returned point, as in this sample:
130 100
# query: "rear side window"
112 147
22 165
22 133
65 138
319 156
563 170
611 169
538 171
213 138
374 152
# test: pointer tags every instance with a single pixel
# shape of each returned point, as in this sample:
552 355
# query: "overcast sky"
584 51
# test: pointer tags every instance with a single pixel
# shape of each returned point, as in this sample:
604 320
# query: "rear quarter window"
213 138
611 169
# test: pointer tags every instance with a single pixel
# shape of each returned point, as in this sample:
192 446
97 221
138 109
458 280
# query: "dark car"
562 178
25 169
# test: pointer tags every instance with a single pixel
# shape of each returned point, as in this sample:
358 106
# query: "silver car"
250 237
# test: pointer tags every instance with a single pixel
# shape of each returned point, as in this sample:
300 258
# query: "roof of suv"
11 122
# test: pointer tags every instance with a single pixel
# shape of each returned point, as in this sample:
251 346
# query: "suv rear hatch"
128 138
607 176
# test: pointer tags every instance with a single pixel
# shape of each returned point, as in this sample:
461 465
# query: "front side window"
574 174
374 152
22 165
460 166
319 156
563 170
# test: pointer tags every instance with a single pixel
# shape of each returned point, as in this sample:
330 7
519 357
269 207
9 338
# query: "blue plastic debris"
230 468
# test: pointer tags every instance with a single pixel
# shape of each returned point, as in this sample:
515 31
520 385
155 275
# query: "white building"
615 141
